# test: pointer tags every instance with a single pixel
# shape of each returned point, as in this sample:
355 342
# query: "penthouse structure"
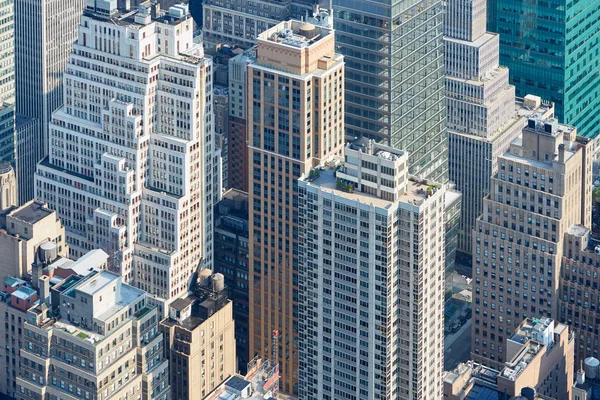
131 168
541 189
295 112
371 276
97 338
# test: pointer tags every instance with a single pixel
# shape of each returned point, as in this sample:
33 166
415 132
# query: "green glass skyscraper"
394 87
552 48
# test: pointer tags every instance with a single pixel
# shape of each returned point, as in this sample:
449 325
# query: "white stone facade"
371 280
130 168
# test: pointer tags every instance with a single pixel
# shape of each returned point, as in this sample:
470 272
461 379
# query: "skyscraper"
483 118
542 188
44 34
130 168
371 279
7 83
295 108
237 141
394 54
552 50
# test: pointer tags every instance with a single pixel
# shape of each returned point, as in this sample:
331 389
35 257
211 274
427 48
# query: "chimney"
561 153
36 273
44 288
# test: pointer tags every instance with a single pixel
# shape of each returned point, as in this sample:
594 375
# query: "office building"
231 260
27 131
540 366
295 108
472 158
551 50
22 231
104 338
371 276
542 188
394 56
481 120
135 180
237 139
44 35
579 296
242 23
7 83
199 339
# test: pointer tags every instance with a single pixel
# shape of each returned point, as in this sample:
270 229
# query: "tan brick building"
200 339
295 119
542 188
540 360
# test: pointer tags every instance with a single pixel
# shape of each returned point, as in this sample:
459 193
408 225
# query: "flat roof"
32 212
24 292
327 181
97 282
12 282
180 304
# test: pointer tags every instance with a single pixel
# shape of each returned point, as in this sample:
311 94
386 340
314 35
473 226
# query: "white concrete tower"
371 271
131 151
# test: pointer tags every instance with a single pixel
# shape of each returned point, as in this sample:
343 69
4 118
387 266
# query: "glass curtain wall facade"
559 41
394 55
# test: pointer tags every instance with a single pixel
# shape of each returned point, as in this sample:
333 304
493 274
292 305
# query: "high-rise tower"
542 187
552 50
44 34
394 54
483 117
7 83
371 279
130 168
295 108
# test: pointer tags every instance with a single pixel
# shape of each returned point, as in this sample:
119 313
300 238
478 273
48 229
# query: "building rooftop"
107 10
24 292
578 230
32 212
13 282
261 383
180 304
296 34
5 168
97 283
415 192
